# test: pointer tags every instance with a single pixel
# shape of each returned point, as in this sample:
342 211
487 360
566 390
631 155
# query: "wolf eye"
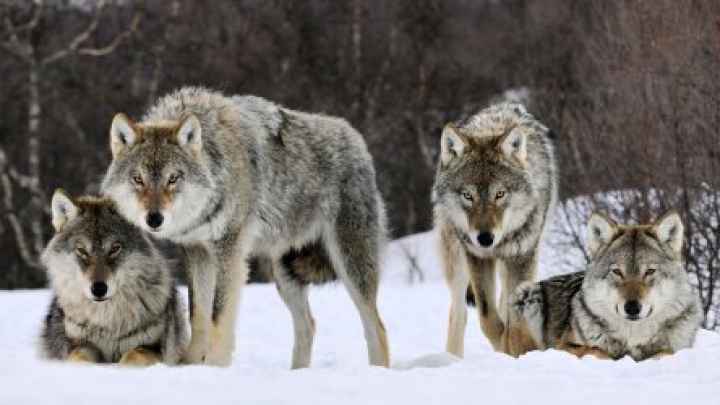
650 272
617 272
466 195
500 194
173 178
115 249
137 179
82 252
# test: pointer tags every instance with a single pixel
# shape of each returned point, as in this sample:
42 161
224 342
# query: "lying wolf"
114 297
635 299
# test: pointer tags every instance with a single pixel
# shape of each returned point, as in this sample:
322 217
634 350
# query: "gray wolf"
494 194
228 177
114 297
634 300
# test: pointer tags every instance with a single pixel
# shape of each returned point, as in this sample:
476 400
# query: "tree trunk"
34 121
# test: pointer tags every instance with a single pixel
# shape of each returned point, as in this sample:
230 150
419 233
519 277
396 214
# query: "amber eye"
650 272
173 178
137 179
466 195
500 194
617 272
115 249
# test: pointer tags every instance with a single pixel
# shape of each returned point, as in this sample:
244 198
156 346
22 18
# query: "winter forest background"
630 88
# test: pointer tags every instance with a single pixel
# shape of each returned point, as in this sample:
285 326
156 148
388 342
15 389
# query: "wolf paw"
195 353
218 359
81 356
139 358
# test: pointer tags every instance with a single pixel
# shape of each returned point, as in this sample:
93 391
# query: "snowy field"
416 319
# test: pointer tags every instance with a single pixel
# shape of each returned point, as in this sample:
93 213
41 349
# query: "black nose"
98 289
154 220
632 308
486 238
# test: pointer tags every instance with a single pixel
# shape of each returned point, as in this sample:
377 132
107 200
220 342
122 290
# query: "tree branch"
26 251
35 19
108 49
79 39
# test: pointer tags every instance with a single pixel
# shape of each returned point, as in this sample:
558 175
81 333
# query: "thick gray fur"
267 181
585 309
497 172
143 310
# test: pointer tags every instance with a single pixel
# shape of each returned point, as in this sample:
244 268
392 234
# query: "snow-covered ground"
416 319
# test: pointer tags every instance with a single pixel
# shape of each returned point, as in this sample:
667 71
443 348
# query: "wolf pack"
228 178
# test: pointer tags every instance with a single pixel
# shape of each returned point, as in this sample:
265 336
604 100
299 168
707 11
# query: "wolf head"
95 253
636 272
156 175
482 182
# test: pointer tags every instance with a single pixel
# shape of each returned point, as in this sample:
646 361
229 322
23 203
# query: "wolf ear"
64 209
669 230
601 230
189 134
452 145
122 134
514 147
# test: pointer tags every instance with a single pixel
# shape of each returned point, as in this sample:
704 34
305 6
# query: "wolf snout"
632 309
98 290
154 220
485 238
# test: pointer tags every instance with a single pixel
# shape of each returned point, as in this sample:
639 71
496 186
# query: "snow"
422 373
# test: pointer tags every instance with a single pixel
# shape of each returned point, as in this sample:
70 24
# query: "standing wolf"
231 176
635 299
494 193
115 300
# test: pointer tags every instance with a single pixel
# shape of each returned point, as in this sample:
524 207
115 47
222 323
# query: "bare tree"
19 39
649 126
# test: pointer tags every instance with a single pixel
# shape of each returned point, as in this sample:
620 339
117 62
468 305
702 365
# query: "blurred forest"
630 88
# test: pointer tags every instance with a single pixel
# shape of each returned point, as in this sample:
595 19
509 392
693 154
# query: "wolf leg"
232 262
202 278
353 248
482 280
139 358
457 278
295 296
519 338
358 270
516 338
84 354
526 310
